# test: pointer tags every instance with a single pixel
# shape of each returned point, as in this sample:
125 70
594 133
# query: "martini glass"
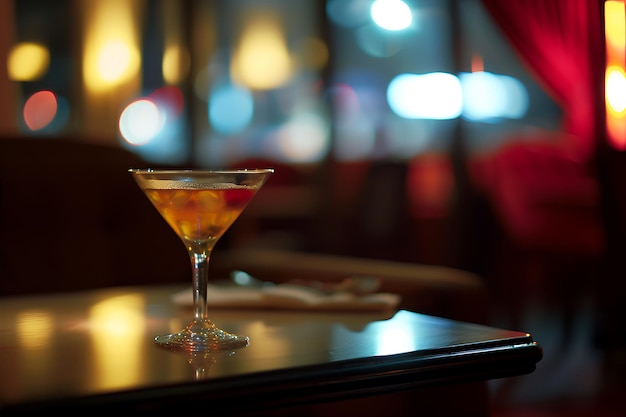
200 206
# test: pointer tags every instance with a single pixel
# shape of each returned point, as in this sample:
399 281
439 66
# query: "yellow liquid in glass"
201 215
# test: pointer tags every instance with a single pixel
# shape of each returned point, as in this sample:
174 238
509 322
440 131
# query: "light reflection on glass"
201 363
117 328
34 328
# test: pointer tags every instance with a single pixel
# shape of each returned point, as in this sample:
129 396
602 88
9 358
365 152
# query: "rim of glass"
201 171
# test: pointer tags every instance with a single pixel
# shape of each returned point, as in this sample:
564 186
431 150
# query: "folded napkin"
290 297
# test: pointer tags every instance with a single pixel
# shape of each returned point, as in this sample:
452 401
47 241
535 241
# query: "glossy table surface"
94 351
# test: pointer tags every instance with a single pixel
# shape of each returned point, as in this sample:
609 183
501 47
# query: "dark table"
92 353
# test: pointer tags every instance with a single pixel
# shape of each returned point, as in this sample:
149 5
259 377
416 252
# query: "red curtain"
561 41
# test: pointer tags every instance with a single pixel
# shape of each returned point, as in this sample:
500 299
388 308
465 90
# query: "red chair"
546 201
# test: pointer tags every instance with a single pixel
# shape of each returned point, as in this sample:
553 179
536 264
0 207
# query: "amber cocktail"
200 206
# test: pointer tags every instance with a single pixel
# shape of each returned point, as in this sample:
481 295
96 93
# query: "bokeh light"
261 59
615 73
615 24
112 322
154 126
434 95
615 97
176 63
616 90
110 51
113 60
40 109
231 109
140 122
391 14
488 96
28 61
304 138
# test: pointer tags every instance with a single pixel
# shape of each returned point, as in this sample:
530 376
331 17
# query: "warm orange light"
261 59
614 24
615 83
175 64
615 75
28 61
114 322
477 64
616 129
34 328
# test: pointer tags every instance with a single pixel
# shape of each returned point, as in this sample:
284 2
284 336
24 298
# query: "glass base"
201 336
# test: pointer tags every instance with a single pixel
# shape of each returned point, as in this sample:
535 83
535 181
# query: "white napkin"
290 297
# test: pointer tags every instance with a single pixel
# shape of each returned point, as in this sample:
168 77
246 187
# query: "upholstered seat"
71 218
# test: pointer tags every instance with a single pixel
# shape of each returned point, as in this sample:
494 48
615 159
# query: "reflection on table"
95 349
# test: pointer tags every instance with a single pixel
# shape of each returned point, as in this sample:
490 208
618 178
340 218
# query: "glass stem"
200 270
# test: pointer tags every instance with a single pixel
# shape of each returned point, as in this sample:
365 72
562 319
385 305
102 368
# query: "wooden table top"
93 352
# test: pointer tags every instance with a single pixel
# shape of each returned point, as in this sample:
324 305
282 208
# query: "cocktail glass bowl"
200 206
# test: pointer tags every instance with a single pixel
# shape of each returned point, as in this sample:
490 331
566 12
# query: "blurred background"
342 97
412 130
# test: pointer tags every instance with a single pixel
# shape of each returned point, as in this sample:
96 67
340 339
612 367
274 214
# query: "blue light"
435 95
488 96
391 14
230 109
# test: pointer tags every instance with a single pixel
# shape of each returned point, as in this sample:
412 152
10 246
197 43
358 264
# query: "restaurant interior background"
360 115
405 130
